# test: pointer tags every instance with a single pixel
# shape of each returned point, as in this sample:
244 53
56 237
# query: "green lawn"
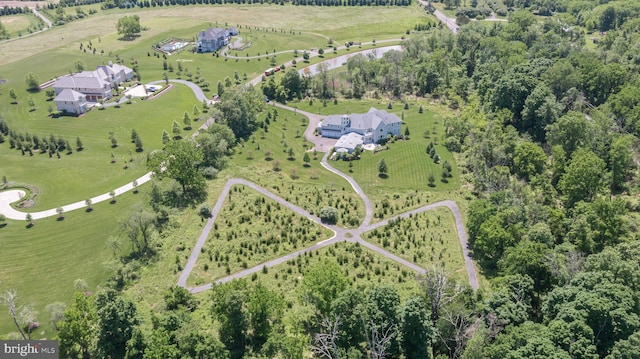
42 262
409 166
19 24
90 172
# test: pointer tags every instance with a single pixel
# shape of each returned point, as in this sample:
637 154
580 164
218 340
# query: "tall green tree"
571 131
321 284
584 178
239 108
621 161
264 308
348 306
117 319
415 329
128 26
229 302
33 83
529 160
180 161
78 330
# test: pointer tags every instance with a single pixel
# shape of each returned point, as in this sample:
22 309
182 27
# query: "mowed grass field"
18 24
90 172
340 23
42 262
406 184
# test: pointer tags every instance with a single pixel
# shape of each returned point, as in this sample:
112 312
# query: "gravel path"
339 235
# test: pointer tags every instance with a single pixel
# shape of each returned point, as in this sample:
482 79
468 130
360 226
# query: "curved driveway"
11 196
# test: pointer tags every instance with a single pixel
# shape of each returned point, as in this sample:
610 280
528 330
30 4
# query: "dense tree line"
8 10
153 3
547 132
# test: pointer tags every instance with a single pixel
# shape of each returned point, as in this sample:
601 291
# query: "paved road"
449 22
8 197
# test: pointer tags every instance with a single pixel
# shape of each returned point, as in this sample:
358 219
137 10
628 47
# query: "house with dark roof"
372 126
212 39
71 101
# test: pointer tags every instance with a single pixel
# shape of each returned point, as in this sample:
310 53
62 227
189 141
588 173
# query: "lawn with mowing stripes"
42 262
409 165
90 172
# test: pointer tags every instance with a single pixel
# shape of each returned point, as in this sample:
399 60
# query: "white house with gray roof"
94 85
372 126
71 101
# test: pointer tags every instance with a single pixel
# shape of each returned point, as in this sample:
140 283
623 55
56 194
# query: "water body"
341 60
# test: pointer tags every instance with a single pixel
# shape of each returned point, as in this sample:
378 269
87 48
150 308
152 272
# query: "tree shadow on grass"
383 175
129 37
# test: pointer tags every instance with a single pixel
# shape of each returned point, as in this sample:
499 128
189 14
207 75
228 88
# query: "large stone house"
212 39
372 126
94 85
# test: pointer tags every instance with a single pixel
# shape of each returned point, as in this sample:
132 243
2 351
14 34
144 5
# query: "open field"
42 262
18 24
250 230
354 24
